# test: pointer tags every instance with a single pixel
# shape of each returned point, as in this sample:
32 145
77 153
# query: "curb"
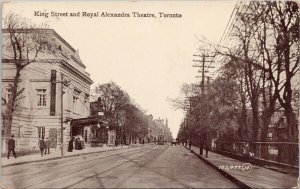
59 157
224 173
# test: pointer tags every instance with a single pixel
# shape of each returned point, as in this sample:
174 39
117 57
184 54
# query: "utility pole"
203 71
62 116
52 108
190 121
185 137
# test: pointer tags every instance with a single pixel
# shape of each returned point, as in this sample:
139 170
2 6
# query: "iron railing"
279 152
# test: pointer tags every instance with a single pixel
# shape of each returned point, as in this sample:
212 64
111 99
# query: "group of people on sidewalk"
79 145
44 146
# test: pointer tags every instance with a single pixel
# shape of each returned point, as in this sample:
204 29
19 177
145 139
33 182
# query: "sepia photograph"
150 94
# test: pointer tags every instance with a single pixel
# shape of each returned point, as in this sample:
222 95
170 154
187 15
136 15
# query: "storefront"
87 128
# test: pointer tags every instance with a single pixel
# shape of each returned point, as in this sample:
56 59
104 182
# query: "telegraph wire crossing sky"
151 57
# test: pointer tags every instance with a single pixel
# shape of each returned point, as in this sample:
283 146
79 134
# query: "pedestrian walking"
70 147
11 146
47 146
42 146
206 149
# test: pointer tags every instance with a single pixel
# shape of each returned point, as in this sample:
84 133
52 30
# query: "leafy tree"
133 123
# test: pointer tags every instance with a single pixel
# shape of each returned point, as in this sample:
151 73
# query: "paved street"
150 166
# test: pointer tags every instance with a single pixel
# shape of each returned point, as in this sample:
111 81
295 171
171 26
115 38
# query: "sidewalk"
251 176
56 154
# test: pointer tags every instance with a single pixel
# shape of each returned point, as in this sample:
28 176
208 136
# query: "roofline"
52 31
45 30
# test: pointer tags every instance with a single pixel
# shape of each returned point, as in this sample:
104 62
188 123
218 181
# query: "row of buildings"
56 94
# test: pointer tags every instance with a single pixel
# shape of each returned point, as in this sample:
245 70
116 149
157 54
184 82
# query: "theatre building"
56 87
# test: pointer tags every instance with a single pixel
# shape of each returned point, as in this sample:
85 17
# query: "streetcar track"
115 171
171 178
63 166
53 171
143 166
155 171
129 161
75 171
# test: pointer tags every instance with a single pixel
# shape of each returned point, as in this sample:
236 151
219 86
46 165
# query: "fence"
279 152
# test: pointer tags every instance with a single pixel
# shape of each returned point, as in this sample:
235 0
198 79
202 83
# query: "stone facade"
39 110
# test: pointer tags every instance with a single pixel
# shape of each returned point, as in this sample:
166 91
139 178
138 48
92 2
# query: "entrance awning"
88 121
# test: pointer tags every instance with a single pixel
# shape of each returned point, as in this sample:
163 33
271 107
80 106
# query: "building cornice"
75 71
77 61
62 63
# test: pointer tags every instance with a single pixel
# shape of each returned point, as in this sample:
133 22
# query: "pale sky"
150 58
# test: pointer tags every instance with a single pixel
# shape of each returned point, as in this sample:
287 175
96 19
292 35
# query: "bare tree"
23 44
187 91
283 18
235 73
266 40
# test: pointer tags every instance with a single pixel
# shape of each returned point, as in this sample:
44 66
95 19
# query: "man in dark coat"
42 146
47 146
11 146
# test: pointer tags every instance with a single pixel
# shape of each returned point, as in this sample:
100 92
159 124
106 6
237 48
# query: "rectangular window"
41 96
41 132
75 105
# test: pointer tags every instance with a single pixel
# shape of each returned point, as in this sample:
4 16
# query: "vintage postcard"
150 94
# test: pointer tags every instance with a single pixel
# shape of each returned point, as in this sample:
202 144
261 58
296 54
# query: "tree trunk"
7 131
290 118
255 121
7 122
266 117
244 132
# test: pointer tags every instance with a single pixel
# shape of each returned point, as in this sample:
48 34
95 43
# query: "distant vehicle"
174 142
161 140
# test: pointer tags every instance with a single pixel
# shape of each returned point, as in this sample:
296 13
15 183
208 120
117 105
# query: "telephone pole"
53 82
203 61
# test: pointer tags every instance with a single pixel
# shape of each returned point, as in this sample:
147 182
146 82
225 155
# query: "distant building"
163 128
39 109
